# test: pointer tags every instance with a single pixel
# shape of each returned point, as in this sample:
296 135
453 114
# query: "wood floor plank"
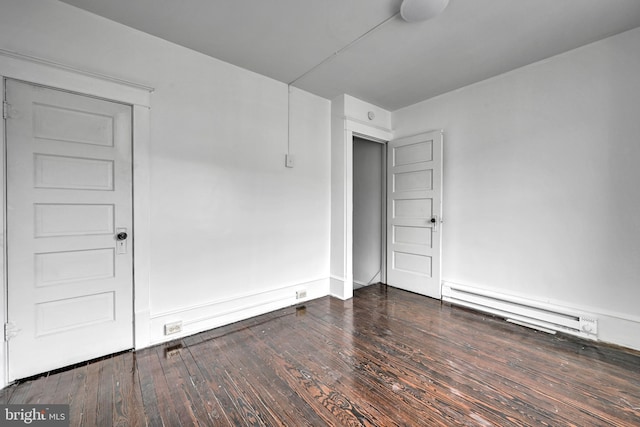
496 375
38 391
268 394
183 393
385 358
212 406
104 414
89 415
61 393
169 412
76 395
322 377
20 393
234 410
128 409
5 395
237 373
242 406
413 394
276 395
145 363
410 363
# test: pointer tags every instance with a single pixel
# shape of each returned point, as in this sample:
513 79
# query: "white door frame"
342 287
343 130
59 76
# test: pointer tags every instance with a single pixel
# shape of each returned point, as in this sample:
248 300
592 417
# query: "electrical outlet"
289 161
173 328
301 294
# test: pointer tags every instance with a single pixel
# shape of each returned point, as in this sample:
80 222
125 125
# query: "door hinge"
5 110
10 330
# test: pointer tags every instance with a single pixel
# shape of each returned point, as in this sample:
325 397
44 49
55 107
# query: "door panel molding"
72 320
414 211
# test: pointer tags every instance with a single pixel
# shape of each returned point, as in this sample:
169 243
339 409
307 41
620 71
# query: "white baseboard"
211 315
619 331
142 329
336 288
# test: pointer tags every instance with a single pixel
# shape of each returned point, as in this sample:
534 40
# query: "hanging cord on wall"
289 119
374 276
342 49
289 156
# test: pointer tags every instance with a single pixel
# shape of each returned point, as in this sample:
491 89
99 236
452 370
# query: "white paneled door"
69 219
414 200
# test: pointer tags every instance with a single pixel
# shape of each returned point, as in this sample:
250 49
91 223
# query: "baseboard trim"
214 314
336 287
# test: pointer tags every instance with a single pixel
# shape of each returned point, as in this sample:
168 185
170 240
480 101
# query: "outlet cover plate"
173 328
289 161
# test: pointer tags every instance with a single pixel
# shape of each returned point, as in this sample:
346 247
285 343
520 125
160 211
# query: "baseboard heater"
532 314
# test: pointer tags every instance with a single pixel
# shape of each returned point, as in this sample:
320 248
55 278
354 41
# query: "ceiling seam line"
342 49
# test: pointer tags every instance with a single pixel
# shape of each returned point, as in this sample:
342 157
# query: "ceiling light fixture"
421 10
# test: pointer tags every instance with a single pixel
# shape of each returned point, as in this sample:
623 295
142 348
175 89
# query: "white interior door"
69 219
414 203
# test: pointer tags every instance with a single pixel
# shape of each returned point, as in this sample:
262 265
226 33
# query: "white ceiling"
397 64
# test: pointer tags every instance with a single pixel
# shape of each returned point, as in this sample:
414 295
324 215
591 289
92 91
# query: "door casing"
59 76
342 286
344 127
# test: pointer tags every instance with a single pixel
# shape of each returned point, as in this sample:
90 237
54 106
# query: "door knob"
122 236
434 223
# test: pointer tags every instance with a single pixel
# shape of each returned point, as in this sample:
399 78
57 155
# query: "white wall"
233 232
367 211
541 182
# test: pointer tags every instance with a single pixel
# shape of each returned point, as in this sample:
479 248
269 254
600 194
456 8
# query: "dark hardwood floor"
385 358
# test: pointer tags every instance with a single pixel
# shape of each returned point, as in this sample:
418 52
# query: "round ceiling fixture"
421 10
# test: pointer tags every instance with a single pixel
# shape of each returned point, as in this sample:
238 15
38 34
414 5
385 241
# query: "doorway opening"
369 212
